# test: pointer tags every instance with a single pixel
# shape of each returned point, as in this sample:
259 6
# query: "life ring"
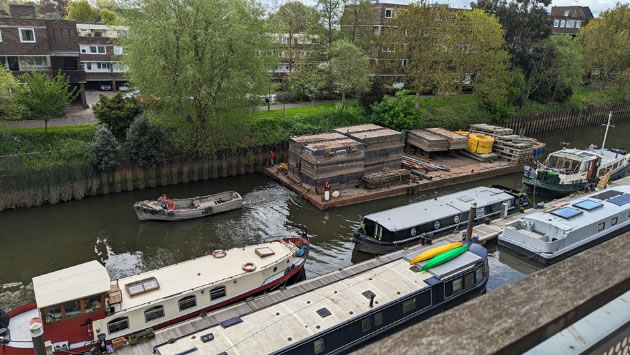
219 253
249 267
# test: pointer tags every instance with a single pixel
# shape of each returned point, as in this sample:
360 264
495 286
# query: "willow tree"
201 58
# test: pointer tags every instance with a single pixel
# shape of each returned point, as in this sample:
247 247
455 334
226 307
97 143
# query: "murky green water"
40 240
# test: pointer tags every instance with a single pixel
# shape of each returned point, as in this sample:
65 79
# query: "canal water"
38 240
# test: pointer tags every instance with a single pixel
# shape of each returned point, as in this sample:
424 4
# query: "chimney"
22 11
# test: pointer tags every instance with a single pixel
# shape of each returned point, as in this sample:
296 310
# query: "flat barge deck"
461 169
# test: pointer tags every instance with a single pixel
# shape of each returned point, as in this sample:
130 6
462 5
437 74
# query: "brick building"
99 54
568 20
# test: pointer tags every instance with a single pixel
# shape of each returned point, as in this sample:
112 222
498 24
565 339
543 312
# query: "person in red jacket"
272 155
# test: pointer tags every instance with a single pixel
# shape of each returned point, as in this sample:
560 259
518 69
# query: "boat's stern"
16 339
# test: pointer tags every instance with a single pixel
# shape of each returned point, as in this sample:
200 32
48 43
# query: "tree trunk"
343 100
417 100
46 128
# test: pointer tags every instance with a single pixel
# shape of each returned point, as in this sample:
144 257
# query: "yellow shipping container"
480 143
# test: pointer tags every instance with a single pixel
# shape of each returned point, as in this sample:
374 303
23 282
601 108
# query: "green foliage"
330 12
286 97
348 68
10 108
104 154
106 4
107 16
399 113
146 143
45 98
374 94
117 113
52 7
81 11
356 23
563 76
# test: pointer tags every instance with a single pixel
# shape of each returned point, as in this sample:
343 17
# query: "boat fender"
249 267
300 252
219 253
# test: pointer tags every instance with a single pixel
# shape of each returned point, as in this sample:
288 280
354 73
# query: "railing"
522 315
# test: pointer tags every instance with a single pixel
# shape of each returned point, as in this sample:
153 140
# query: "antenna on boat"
608 125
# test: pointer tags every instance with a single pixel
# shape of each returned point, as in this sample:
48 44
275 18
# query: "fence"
567 119
53 184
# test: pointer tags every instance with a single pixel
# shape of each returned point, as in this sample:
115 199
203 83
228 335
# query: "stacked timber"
455 141
509 146
330 157
383 146
383 179
427 140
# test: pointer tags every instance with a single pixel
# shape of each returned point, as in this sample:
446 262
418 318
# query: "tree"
374 94
398 113
293 19
563 75
307 78
45 98
108 16
199 66
104 154
52 6
146 143
81 11
117 113
526 24
330 12
106 4
348 68
356 22
606 43
10 108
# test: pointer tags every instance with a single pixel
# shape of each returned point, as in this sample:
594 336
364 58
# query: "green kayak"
444 257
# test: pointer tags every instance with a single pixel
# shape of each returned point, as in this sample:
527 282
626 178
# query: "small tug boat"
569 228
188 208
82 310
419 222
347 313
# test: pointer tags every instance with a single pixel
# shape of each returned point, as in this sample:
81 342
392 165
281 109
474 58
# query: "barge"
82 310
345 314
420 222
567 229
189 208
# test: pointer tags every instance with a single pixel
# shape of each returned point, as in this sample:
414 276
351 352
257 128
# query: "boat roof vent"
465 198
142 286
607 194
620 200
208 337
588 205
323 312
566 212
368 294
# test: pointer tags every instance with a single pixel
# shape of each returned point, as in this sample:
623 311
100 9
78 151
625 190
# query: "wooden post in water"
471 220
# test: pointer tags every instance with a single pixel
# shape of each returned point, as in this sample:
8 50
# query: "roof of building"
72 283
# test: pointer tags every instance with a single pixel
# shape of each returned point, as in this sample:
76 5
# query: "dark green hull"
555 190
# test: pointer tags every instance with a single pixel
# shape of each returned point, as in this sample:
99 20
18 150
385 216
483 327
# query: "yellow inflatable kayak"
428 254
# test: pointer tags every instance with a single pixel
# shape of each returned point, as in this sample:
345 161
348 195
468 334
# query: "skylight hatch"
566 212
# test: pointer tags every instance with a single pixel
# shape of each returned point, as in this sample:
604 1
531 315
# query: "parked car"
123 87
105 87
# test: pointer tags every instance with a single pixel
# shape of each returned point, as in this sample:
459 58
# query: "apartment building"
99 55
390 69
288 49
29 43
568 20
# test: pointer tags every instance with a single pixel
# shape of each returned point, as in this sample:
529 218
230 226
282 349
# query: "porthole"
413 232
436 225
456 219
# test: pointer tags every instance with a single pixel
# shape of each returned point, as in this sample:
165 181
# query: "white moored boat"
80 307
189 208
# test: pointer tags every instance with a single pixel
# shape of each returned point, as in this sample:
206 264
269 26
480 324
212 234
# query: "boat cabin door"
592 169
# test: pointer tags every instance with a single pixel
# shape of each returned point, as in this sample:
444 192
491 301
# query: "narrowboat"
570 170
567 229
345 314
189 208
81 309
419 222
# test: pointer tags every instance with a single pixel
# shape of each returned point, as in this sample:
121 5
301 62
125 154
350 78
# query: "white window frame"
578 23
556 23
118 50
0 35
20 29
391 12
570 23
562 23
566 13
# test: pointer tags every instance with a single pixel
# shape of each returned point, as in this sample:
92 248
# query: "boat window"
478 275
378 319
469 280
613 221
72 308
217 292
615 165
458 286
409 305
187 302
53 313
142 286
92 304
551 161
366 324
601 226
319 345
153 313
118 324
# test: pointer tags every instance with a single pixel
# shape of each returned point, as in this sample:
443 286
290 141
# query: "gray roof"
414 214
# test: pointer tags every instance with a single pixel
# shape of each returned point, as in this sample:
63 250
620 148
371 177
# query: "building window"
403 63
118 50
118 324
601 226
319 345
562 23
72 308
366 324
578 23
122 34
53 314
27 35
187 302
613 221
556 23
35 61
566 13
153 313
0 36
378 319
388 13
570 23
284 40
217 292
409 305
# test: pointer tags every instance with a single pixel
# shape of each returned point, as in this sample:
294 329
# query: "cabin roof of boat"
586 209
608 156
290 321
202 271
72 283
404 217
577 154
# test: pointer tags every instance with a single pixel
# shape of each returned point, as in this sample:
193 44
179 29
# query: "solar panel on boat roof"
566 212
620 200
607 194
588 205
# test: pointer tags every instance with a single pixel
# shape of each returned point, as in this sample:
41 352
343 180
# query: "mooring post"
504 210
37 334
471 220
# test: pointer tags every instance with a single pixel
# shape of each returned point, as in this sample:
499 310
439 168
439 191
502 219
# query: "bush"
286 97
146 143
104 154
374 94
399 113
117 113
